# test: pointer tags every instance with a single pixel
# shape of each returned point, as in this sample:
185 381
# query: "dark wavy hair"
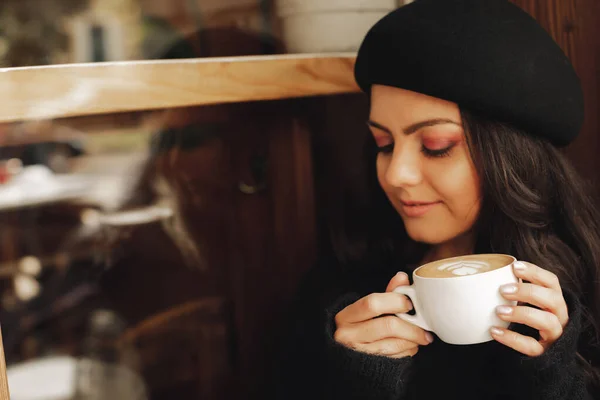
535 206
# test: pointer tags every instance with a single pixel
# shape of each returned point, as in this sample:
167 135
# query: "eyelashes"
387 149
438 153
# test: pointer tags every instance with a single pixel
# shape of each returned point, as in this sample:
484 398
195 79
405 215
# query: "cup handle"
416 319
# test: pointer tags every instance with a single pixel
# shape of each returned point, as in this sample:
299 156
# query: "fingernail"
402 274
519 266
509 289
496 331
429 337
504 310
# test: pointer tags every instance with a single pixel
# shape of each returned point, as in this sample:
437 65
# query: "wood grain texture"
4 395
273 240
86 89
574 26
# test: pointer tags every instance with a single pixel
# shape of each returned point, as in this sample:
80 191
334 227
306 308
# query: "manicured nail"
402 274
519 266
509 289
497 332
429 337
504 310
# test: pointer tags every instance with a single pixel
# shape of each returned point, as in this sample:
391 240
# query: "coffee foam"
463 268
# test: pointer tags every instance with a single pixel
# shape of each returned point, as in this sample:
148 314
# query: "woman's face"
424 165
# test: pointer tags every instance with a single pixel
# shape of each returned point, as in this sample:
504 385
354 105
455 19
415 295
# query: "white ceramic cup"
462 309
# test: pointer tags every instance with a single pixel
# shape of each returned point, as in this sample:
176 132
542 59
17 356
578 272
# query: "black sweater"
314 366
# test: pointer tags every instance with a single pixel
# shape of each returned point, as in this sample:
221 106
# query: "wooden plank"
4 395
99 88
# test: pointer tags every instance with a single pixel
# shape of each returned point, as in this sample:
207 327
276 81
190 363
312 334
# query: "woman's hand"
541 289
366 325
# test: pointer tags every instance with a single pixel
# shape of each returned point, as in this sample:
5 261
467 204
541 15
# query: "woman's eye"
387 149
437 152
437 147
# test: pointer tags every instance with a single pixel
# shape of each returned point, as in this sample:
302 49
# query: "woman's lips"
414 209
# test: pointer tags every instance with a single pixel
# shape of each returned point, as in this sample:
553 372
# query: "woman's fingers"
542 297
373 306
546 323
400 279
409 353
392 347
543 291
370 326
536 275
377 329
521 343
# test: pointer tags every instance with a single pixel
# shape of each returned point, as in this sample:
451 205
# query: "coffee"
464 266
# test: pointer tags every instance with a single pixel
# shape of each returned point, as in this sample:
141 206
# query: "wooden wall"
574 24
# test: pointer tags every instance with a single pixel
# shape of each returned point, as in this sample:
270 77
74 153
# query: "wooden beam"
58 91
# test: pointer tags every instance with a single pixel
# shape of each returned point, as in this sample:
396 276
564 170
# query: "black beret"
488 56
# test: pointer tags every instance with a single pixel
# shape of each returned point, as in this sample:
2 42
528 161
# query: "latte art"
464 266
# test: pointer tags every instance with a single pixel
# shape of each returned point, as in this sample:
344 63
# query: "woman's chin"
428 236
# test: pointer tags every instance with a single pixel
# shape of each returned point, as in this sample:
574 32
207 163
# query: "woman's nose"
404 169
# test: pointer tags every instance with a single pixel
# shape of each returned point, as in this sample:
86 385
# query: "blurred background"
38 32
151 254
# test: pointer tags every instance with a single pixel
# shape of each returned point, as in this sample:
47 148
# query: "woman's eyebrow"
376 125
414 127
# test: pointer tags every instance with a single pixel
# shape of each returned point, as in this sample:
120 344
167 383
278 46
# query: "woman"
470 102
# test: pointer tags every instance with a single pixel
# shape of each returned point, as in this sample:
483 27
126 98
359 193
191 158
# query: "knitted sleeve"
313 365
356 375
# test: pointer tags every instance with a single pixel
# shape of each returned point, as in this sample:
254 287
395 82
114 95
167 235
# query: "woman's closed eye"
385 149
427 151
438 152
384 143
437 148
